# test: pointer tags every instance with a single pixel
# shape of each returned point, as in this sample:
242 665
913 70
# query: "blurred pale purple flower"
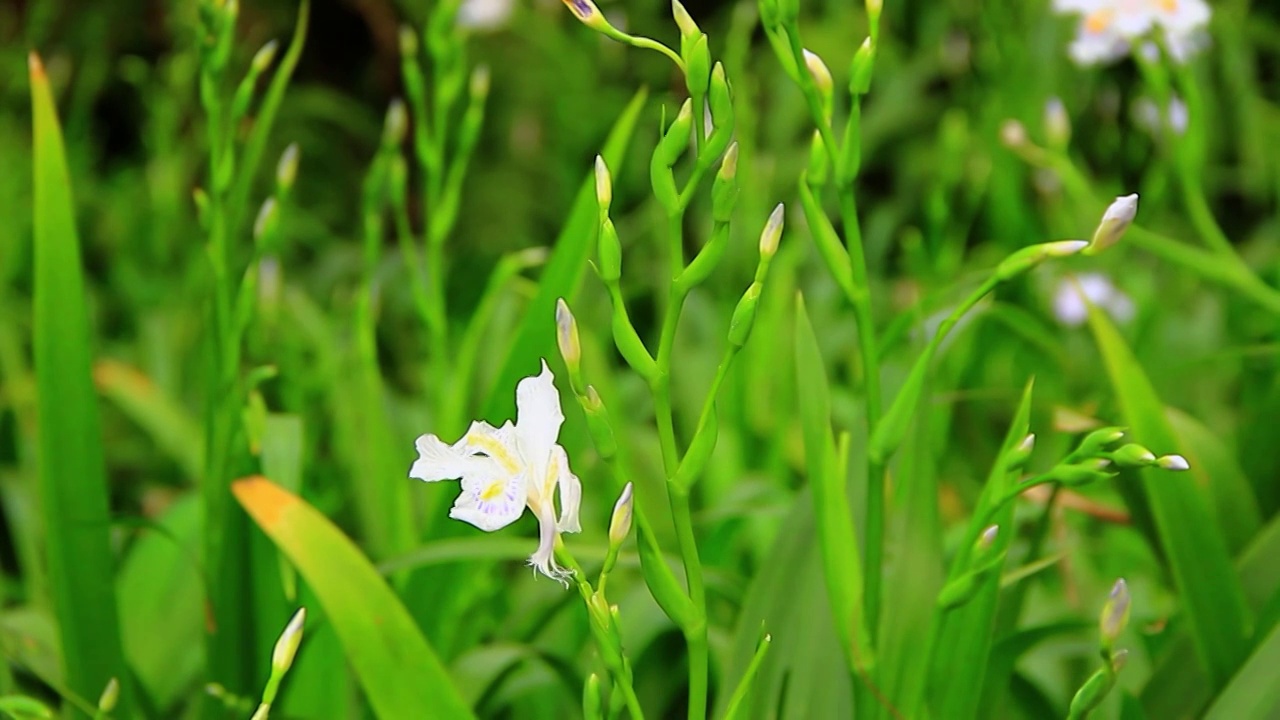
1069 304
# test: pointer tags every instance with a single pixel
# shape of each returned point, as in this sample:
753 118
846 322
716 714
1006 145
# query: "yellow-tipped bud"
604 185
620 522
287 646
567 337
1115 221
480 81
688 28
397 123
772 232
109 697
265 55
287 168
820 72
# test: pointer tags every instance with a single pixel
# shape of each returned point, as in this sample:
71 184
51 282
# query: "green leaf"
73 483
841 564
165 421
396 666
1216 471
1253 692
1192 543
965 635
535 337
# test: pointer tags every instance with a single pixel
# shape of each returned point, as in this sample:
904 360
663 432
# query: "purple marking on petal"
581 8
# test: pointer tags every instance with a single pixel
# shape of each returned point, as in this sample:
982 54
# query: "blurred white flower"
1109 28
485 15
505 469
1069 304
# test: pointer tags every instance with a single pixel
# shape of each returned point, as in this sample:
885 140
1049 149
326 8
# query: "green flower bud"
1027 258
724 190
958 592
688 28
676 139
397 123
819 161
265 224
287 646
1019 455
604 186
722 114
864 61
1133 456
821 75
986 540
1092 693
610 249
620 521
1095 443
592 698
265 55
109 697
1082 473
287 168
698 66
567 339
598 423
744 316
1115 221
772 233
478 84
1176 463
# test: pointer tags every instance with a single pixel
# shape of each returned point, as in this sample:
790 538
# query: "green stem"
696 634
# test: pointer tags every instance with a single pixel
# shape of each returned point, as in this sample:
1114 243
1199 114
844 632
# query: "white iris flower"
506 469
1108 28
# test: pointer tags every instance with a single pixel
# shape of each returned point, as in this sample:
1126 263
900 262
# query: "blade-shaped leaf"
396 666
1193 545
73 483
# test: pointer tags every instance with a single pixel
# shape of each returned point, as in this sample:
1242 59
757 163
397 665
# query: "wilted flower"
1109 28
1069 304
505 469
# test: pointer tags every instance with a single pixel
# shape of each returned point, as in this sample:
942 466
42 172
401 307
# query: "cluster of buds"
1112 621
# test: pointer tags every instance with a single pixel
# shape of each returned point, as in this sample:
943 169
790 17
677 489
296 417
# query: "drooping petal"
538 419
438 461
570 490
491 504
543 559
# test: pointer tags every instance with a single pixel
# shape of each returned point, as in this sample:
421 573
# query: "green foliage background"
341 384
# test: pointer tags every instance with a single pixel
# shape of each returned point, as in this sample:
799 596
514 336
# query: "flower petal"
538 419
438 461
543 559
570 490
490 505
498 443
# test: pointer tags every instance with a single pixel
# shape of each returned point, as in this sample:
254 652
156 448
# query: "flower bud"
986 540
1133 455
1095 442
1074 475
864 61
109 697
1021 261
1115 614
1115 221
697 66
287 646
265 224
479 81
592 698
1057 125
1012 134
588 14
598 423
676 139
1019 455
772 233
724 190
720 106
620 521
265 55
604 186
821 78
610 249
744 316
397 124
567 338
688 28
1176 463
287 168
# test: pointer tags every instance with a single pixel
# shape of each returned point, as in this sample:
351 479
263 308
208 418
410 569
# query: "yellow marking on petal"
1168 5
496 450
1098 21
494 490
